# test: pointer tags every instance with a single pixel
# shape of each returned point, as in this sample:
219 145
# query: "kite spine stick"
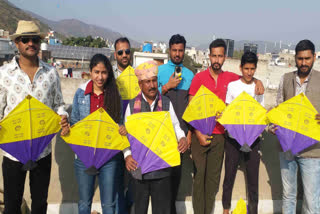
156 134
95 146
205 112
30 122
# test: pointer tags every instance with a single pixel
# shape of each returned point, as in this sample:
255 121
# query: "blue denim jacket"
81 105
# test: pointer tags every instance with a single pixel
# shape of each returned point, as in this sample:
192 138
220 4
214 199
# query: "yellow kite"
245 119
27 130
202 110
297 126
128 84
153 141
96 139
241 207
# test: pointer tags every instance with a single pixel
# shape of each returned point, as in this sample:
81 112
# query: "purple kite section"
25 150
245 133
90 157
147 160
205 126
124 106
294 141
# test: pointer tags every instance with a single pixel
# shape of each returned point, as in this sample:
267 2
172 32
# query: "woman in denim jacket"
100 91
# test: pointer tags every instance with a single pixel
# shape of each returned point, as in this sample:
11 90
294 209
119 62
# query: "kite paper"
245 119
297 126
241 207
128 86
27 130
96 139
153 141
202 110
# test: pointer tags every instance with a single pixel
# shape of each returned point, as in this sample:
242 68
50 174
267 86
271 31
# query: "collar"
306 80
172 64
153 103
16 64
89 88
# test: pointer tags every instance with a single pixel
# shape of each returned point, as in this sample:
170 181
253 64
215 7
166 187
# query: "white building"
141 57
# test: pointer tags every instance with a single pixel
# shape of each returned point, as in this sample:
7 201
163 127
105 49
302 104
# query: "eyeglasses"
35 39
120 52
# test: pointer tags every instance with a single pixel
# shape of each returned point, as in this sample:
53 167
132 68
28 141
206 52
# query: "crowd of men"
168 87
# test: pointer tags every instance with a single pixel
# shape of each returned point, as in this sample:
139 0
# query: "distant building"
7 50
4 34
230 47
250 47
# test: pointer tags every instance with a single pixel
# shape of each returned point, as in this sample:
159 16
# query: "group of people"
161 90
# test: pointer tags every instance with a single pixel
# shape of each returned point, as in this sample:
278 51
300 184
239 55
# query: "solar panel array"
74 52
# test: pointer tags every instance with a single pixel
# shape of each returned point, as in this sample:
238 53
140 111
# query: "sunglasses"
35 39
120 52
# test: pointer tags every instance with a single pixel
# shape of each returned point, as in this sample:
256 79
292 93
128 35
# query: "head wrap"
146 70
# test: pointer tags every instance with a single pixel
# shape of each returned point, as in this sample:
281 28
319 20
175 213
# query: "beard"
216 66
304 73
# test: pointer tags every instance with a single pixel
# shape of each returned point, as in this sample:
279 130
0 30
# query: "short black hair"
121 39
249 57
305 45
177 39
218 43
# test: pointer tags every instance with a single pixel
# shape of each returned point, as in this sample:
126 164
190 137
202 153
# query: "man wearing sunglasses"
27 74
122 54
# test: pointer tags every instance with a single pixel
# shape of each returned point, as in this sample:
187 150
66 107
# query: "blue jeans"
310 174
108 185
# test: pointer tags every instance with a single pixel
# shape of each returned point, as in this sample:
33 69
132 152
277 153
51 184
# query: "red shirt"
96 101
219 88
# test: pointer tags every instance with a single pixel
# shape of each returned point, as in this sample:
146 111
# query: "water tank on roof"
44 46
147 48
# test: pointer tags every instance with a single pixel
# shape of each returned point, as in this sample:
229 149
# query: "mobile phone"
177 71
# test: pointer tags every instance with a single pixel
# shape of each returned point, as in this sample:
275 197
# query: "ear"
315 57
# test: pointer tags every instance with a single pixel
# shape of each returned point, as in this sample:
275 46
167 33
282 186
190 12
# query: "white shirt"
175 122
237 87
15 85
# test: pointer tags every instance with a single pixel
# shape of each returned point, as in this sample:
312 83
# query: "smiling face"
28 47
248 70
176 52
122 54
304 62
99 76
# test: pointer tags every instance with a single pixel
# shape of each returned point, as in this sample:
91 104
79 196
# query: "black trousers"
252 163
175 183
13 183
160 192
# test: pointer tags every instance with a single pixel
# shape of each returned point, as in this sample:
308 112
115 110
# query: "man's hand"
272 129
123 130
131 164
173 81
317 118
259 89
218 115
183 145
204 139
189 138
65 126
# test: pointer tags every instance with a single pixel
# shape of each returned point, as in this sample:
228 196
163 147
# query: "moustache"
152 89
33 47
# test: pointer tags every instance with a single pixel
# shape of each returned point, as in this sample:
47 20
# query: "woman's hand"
204 139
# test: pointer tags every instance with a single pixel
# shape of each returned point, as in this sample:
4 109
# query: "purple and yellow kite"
245 119
27 130
202 110
153 142
95 140
297 128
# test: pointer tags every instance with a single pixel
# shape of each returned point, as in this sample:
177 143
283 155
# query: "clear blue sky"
197 20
